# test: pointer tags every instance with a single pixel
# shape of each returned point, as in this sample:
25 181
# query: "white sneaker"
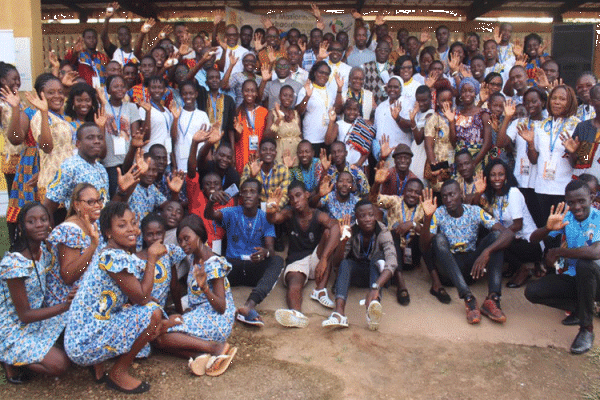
291 318
374 313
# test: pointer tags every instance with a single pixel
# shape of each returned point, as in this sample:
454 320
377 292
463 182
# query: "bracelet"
454 73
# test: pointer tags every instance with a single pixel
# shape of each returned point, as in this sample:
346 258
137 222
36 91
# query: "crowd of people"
142 187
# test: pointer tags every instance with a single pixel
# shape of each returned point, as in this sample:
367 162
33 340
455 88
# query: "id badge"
525 166
253 143
246 257
216 246
549 170
263 206
96 82
407 256
450 156
119 146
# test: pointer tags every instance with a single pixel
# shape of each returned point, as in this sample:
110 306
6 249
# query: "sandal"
102 379
335 320
291 318
403 297
252 319
198 365
322 297
142 388
539 270
218 365
374 313
441 295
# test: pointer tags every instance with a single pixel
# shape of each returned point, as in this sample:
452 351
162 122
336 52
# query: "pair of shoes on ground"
374 313
490 308
213 365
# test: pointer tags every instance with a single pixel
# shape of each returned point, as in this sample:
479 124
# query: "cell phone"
440 165
232 190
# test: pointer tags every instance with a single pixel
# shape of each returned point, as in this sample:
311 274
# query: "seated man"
313 237
339 202
306 171
397 177
369 261
222 164
338 160
405 217
471 184
453 228
574 287
250 241
81 168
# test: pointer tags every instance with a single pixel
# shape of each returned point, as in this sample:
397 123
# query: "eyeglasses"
93 202
321 72
282 66
406 67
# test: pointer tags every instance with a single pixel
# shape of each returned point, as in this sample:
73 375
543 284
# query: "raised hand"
111 8
323 53
425 36
325 160
509 108
302 45
339 80
497 35
127 181
541 78
484 92
271 54
137 139
428 202
91 228
288 161
145 105
465 71
455 63
219 15
314 9
557 216
480 182
381 172
175 181
379 19
79 45
400 51
332 114
325 186
238 125
201 135
172 61
527 134
432 78
70 78
386 150
266 73
8 96
355 14
279 116
517 48
175 110
101 94
165 31
274 200
555 83
215 134
184 49
232 58
413 112
148 24
53 59
38 102
266 21
255 166
100 117
395 109
571 144
308 86
258 44
449 112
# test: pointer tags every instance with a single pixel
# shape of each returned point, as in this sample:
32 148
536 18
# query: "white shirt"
316 117
343 133
300 76
123 57
551 158
344 70
514 207
386 125
239 52
189 123
525 172
160 128
409 90
419 158
367 102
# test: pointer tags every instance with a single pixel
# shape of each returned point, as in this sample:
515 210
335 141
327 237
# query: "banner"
304 21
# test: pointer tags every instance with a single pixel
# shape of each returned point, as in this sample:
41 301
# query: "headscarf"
469 81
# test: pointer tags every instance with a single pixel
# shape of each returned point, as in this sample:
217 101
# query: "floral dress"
203 321
469 134
162 272
24 344
70 235
102 324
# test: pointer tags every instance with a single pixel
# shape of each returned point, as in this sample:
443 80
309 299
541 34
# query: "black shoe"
18 379
571 320
583 341
441 295
100 380
142 388
403 297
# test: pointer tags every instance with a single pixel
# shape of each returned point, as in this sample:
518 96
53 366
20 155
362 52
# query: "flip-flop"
198 365
291 318
142 388
335 320
441 295
252 319
102 379
218 365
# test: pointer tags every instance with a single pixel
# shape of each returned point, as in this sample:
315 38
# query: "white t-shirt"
343 132
419 158
123 57
525 172
316 117
344 70
514 207
239 52
118 127
386 125
554 168
160 128
189 123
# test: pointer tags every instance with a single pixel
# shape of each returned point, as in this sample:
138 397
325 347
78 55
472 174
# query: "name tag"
253 143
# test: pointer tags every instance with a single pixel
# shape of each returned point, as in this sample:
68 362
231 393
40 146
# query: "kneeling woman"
209 321
112 314
28 330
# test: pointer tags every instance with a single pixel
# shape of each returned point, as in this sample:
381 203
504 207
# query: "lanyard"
246 224
560 129
412 218
126 59
401 191
465 186
117 118
251 117
164 116
501 210
188 125
266 180
361 245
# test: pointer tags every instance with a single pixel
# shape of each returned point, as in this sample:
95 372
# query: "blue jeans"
359 273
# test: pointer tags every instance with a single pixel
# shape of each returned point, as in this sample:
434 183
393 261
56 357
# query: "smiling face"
406 70
338 154
533 104
286 97
91 143
351 112
478 69
444 97
472 44
189 95
267 152
322 75
157 90
532 48
12 80
37 224
558 102
173 214
518 78
148 177
210 184
365 218
249 63
344 184
160 56
496 106
294 55
123 230
357 80
159 154
393 90
272 38
53 90
424 62
583 86
130 74
498 177
490 50
89 203
579 202
231 36
82 104
305 154
495 84
224 157
424 101
282 68
336 50
467 94
402 162
382 52
213 79
249 92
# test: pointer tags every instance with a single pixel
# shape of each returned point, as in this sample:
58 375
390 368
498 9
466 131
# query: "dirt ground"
423 351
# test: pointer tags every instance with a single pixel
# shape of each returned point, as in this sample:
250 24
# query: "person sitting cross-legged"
453 229
313 238
574 287
369 261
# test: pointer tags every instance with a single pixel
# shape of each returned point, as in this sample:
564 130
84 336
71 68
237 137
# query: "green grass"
4 242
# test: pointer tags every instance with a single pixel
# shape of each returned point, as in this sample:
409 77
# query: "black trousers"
533 205
520 252
262 275
570 293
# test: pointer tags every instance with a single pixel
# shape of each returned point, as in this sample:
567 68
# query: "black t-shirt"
303 242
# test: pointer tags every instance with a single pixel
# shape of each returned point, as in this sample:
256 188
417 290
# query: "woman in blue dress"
29 330
165 271
113 315
74 243
209 320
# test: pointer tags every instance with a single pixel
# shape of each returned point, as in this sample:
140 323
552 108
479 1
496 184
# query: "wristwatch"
375 286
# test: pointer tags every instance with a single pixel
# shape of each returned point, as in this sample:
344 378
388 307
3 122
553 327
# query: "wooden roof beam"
144 9
478 8
566 7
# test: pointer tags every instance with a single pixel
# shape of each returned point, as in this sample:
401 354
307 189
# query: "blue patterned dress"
71 235
102 324
24 344
162 272
203 321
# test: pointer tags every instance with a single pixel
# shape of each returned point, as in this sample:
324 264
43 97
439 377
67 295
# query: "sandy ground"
423 351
